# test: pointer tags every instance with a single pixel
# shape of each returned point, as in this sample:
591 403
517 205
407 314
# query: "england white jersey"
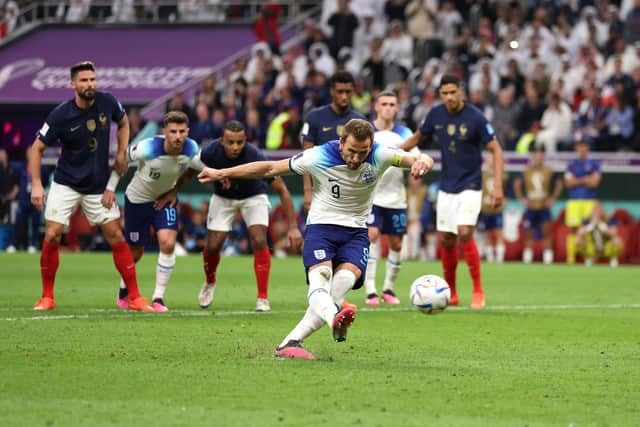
158 171
391 191
342 196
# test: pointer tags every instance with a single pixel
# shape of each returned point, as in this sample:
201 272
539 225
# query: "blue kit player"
336 242
161 160
248 196
326 123
461 131
83 126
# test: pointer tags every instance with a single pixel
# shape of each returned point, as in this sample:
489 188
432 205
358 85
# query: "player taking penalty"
82 125
336 241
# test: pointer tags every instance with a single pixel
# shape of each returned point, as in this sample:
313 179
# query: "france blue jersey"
215 157
580 168
322 124
84 134
461 137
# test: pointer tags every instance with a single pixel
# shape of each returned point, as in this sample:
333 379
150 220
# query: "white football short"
254 209
453 210
62 200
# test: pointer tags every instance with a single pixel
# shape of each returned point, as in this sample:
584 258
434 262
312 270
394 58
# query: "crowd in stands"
541 73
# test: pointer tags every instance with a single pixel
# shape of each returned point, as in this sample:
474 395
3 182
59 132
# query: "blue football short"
338 244
388 221
139 216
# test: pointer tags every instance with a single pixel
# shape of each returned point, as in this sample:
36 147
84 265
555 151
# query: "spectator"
397 51
421 24
531 110
591 120
122 11
266 25
364 35
394 10
373 70
448 21
202 129
78 11
620 126
208 93
505 114
344 24
11 14
555 125
177 103
136 122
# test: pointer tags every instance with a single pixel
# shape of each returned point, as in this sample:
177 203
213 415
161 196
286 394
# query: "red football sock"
472 257
449 264
49 261
210 265
123 260
262 267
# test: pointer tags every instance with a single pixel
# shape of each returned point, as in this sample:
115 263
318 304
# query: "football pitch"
556 346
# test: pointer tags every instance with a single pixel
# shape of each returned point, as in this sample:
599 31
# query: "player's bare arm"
420 164
121 165
171 196
557 192
412 141
497 194
34 158
592 180
517 190
293 234
253 170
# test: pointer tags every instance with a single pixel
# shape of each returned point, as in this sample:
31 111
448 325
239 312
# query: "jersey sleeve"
303 162
309 130
387 156
196 162
426 129
207 155
50 130
143 150
118 110
486 132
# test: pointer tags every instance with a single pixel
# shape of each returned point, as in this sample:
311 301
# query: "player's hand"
37 196
209 175
295 238
497 197
108 198
121 166
421 166
170 197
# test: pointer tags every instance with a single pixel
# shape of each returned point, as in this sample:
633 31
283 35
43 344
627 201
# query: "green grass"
556 346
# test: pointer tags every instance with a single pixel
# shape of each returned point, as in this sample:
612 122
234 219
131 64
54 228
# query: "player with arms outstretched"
161 160
389 212
461 131
83 126
336 242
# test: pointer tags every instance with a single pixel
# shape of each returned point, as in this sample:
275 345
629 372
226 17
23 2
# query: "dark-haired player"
250 197
83 126
461 131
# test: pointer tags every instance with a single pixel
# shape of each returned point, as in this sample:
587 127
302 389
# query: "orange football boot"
140 304
477 301
44 304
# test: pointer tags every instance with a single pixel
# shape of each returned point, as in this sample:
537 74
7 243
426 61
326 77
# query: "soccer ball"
430 294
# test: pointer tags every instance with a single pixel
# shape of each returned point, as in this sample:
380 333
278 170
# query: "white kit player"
161 160
389 212
336 242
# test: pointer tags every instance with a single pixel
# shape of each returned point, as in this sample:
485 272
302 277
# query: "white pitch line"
116 313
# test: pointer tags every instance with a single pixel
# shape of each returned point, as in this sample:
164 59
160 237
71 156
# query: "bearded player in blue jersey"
83 127
461 131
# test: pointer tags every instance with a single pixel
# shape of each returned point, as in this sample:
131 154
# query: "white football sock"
547 256
527 256
341 284
489 254
319 299
166 262
122 285
370 278
500 250
393 269
309 323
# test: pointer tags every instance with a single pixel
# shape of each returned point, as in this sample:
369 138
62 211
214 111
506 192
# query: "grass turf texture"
556 346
